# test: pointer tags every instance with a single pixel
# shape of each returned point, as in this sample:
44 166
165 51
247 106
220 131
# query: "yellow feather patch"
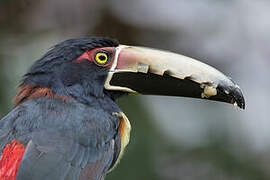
125 129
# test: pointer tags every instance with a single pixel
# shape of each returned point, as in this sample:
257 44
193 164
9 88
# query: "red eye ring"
96 56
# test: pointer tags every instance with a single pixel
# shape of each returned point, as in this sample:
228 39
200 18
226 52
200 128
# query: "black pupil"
102 57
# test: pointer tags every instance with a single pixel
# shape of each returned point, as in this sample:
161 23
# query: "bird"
66 124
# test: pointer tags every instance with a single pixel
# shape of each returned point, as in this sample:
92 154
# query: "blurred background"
172 138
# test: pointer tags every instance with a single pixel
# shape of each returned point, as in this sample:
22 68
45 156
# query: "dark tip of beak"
231 95
239 98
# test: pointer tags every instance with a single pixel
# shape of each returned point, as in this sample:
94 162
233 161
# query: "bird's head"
96 67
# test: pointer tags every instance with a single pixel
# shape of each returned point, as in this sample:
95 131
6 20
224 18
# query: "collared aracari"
66 124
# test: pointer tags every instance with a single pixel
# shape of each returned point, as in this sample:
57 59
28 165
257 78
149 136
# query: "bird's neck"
29 92
26 92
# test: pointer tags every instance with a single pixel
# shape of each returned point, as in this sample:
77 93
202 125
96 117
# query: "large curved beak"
148 71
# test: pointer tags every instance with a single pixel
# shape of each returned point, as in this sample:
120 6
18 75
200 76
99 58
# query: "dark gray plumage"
62 138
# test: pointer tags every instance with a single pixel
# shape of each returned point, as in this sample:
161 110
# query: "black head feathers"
69 50
57 71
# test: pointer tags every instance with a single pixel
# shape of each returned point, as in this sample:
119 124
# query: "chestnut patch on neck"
28 92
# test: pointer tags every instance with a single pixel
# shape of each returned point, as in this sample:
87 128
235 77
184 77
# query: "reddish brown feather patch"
29 92
10 160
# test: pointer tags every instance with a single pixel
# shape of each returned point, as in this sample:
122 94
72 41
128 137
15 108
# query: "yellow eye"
101 58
